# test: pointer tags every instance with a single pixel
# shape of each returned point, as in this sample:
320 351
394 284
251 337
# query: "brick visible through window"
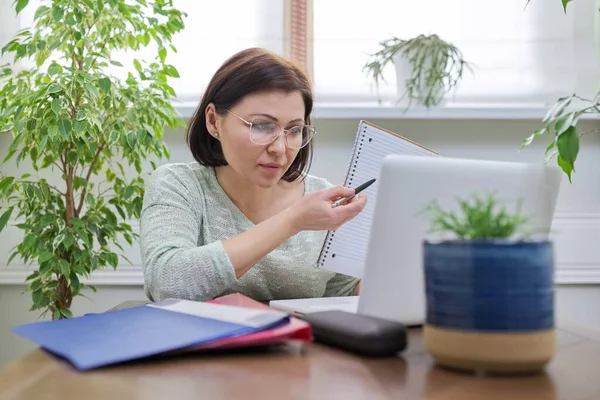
298 26
298 31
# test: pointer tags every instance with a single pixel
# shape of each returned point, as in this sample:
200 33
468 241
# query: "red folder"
296 330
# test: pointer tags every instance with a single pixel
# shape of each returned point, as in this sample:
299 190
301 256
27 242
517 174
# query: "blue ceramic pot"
490 285
490 303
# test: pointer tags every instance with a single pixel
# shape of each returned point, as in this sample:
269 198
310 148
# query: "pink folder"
295 331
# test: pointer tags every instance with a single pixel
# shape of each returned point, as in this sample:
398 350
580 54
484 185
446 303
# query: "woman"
245 217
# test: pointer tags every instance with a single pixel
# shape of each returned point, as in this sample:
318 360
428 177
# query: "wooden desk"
310 372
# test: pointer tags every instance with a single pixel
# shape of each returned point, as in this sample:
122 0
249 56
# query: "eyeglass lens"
264 132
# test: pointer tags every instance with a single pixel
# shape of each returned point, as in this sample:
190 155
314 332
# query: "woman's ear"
213 120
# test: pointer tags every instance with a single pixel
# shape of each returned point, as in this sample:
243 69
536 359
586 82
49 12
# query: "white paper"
252 317
345 249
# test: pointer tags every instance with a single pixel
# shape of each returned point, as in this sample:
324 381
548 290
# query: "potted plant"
427 67
560 124
86 135
489 290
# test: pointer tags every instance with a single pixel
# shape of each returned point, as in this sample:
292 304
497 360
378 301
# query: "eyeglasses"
264 131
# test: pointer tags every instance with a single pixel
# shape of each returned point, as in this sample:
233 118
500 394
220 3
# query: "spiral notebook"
345 249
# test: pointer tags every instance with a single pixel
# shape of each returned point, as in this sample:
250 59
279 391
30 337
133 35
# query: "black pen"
356 191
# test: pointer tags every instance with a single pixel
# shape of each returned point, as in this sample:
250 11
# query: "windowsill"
376 111
472 111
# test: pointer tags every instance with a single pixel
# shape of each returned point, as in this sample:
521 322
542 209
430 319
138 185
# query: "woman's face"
260 164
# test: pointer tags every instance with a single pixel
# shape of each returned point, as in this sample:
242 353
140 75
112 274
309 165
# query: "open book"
345 249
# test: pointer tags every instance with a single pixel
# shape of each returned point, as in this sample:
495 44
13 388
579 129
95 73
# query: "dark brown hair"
249 71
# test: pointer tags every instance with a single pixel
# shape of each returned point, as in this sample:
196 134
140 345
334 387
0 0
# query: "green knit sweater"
185 217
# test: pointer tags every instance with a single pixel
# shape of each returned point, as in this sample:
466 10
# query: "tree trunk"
64 291
69 198
65 294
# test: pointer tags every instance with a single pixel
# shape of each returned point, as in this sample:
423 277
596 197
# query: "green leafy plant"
560 124
479 217
437 66
79 124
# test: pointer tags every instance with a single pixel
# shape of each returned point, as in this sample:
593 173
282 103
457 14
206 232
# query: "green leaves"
14 146
532 137
20 6
54 88
104 84
171 71
53 132
91 91
478 217
64 127
567 144
54 69
137 65
56 107
560 123
558 108
64 267
73 119
41 12
111 259
57 13
5 183
38 299
45 257
437 66
563 123
5 217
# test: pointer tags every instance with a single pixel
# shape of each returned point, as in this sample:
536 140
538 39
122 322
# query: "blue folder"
98 340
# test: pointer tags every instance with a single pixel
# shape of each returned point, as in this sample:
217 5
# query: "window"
213 32
216 30
520 55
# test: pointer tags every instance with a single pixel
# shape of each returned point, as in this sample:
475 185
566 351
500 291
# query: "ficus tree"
86 125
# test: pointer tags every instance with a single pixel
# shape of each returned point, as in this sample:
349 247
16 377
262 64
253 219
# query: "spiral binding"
357 148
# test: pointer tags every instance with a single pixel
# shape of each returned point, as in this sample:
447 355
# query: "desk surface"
307 372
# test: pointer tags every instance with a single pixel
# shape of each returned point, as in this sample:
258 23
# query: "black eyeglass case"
360 334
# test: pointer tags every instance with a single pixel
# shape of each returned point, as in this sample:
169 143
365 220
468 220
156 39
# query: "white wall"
577 219
8 24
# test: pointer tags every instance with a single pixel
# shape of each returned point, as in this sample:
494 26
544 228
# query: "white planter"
404 71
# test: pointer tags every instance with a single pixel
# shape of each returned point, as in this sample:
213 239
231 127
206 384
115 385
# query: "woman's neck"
246 196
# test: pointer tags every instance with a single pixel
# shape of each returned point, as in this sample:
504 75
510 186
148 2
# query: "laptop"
392 286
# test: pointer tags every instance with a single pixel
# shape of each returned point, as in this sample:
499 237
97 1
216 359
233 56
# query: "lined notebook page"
345 249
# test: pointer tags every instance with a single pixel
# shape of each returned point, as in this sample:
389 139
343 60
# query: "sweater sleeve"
340 285
175 264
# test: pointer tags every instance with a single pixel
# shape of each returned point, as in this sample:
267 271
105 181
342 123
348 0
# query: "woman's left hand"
356 290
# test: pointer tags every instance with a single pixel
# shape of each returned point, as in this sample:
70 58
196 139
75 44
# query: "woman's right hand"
314 211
